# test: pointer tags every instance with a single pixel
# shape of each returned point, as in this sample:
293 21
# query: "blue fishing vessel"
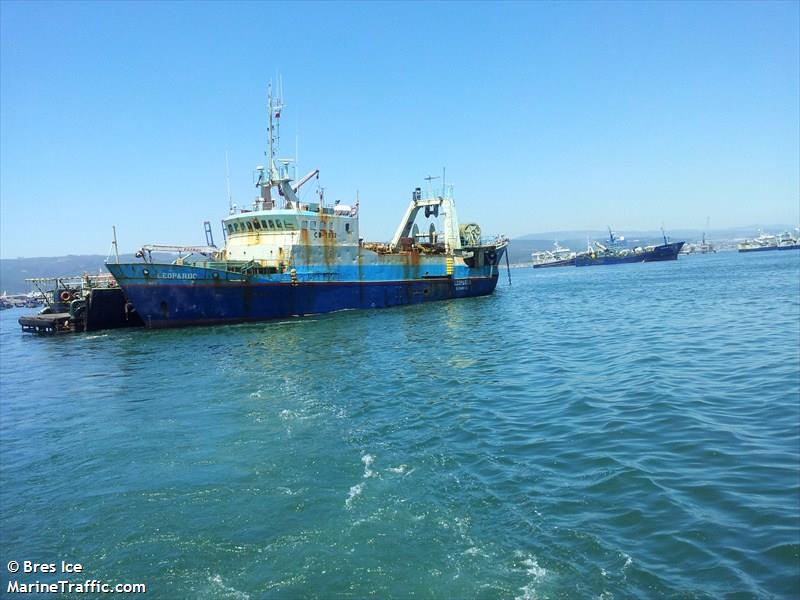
615 253
285 256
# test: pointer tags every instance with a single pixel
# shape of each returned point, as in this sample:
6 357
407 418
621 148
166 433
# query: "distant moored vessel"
764 242
613 253
557 257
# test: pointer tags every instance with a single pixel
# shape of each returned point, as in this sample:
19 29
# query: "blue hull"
231 298
659 253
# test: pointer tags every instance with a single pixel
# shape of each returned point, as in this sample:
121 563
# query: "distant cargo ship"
614 254
764 242
287 257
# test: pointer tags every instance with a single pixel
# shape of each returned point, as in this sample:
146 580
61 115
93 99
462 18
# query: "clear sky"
547 116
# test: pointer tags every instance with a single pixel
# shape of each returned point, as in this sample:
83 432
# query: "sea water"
627 431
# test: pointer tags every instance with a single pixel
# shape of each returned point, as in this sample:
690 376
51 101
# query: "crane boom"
297 185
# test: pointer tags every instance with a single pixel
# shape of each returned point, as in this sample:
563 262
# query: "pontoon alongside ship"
81 303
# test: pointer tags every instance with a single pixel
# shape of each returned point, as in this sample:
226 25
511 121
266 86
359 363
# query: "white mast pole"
228 183
271 166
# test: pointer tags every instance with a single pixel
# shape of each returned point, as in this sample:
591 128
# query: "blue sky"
547 116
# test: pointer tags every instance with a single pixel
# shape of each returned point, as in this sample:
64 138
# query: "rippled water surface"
626 431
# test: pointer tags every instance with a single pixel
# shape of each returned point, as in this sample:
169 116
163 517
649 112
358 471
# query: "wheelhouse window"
249 226
347 227
230 228
236 227
271 224
264 223
278 224
303 224
256 224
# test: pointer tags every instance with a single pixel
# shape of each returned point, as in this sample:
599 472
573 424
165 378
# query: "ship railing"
251 267
75 281
260 205
493 240
183 252
49 289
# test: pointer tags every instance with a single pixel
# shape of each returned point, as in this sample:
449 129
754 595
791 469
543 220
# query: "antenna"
228 182
269 130
429 179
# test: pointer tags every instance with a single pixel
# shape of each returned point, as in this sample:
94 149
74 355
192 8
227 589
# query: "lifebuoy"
65 296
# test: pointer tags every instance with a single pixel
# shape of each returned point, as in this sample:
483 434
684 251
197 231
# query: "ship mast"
274 107
275 177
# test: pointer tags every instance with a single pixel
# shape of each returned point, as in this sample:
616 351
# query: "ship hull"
190 296
657 254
